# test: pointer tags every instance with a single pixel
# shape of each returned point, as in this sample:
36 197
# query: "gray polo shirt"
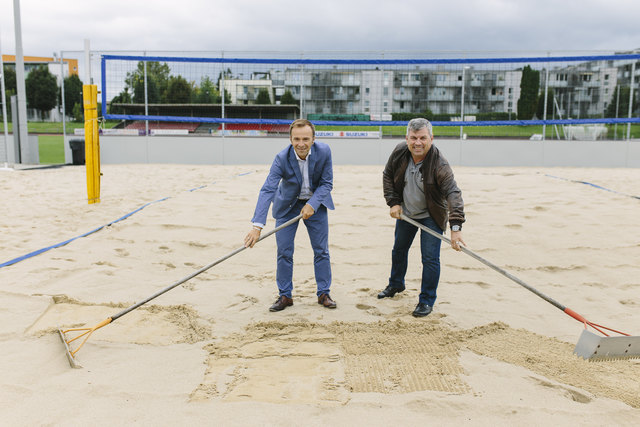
414 205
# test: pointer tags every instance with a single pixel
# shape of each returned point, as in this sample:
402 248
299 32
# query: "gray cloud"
287 25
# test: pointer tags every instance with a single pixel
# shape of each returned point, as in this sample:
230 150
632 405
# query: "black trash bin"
77 151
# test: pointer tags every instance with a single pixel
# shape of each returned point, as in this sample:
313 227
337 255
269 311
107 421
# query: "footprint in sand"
369 309
122 252
245 302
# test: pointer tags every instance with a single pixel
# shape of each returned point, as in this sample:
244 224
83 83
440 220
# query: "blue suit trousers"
318 230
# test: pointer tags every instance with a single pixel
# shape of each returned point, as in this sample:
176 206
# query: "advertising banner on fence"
346 134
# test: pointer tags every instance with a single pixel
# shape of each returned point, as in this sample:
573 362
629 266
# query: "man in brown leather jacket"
418 182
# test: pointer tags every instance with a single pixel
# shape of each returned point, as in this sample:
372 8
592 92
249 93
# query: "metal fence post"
633 71
146 99
544 110
222 93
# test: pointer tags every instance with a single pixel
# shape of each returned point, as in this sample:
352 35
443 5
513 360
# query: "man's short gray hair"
420 123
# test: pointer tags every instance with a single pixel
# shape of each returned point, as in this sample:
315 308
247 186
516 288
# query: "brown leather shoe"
281 303
326 301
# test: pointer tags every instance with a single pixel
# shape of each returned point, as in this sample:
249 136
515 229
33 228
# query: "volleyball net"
552 96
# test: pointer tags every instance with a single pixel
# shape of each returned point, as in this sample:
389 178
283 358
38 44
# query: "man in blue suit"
299 182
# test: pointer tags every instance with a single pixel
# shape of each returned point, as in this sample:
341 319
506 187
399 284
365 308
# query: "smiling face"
419 143
302 140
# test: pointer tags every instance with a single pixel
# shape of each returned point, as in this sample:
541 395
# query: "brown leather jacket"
440 188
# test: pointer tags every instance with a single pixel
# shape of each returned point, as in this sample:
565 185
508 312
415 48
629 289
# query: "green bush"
77 113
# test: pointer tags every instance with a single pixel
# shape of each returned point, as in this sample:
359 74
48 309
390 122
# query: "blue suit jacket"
283 184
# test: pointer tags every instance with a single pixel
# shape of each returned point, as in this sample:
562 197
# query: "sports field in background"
51 148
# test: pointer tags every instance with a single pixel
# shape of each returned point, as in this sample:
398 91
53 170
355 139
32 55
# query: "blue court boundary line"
599 187
57 245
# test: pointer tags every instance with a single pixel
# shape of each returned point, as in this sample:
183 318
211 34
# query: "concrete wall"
255 150
29 154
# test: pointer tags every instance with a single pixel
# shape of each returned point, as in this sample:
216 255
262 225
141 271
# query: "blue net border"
584 58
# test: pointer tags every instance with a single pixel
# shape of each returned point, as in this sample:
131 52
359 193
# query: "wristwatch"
456 228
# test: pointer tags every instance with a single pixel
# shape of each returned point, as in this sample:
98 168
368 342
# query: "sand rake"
590 346
72 335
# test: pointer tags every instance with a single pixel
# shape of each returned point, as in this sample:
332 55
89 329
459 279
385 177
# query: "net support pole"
91 142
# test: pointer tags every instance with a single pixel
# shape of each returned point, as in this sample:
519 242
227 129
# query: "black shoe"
422 310
388 292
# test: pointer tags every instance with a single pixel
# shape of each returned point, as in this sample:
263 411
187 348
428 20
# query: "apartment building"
580 90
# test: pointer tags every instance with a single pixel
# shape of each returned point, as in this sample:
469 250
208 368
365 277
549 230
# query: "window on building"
366 90
385 91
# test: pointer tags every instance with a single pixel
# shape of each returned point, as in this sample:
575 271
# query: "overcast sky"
286 25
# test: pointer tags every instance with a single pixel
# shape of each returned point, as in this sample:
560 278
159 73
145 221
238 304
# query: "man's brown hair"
300 123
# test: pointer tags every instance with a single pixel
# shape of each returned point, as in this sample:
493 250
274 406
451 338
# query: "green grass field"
50 141
54 127
51 149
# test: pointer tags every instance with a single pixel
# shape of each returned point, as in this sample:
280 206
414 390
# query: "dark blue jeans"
430 248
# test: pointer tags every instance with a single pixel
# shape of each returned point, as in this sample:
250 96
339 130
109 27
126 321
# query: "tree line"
164 88
43 92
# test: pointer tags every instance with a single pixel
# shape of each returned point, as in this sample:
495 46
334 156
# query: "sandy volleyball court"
209 351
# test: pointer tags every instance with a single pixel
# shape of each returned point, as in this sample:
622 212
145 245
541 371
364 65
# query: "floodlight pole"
22 132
